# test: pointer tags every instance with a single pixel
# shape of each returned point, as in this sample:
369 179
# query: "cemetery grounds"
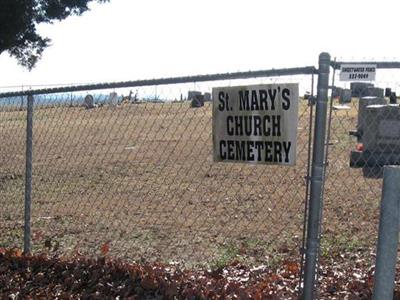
138 180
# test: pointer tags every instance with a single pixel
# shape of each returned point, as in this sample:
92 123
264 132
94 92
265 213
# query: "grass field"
142 177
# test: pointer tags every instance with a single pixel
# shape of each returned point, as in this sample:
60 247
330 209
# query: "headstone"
336 91
113 99
192 94
393 98
197 101
380 127
388 92
207 96
358 88
380 141
373 91
88 102
345 96
362 106
382 134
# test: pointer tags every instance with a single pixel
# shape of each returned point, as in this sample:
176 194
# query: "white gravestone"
113 99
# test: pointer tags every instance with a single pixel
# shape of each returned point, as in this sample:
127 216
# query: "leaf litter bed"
80 277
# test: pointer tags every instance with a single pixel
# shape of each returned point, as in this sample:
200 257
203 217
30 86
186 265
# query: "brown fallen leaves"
78 277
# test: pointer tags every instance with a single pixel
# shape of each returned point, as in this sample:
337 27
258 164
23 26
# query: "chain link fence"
129 165
364 136
132 168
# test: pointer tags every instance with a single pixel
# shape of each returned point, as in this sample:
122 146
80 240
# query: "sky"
141 39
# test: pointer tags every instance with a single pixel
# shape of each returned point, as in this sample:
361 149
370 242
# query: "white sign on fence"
357 72
256 124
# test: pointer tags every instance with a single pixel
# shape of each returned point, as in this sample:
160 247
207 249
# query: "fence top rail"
163 81
379 64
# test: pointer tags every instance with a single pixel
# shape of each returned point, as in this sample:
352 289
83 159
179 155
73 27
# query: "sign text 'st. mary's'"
256 124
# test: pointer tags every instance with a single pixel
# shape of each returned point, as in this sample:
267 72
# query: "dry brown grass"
143 177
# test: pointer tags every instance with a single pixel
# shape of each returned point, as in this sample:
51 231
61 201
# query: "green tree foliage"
18 21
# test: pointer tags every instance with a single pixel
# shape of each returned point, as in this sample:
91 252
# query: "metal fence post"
28 176
388 239
317 177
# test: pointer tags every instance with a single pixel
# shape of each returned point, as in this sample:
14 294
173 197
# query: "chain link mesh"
136 170
364 137
12 162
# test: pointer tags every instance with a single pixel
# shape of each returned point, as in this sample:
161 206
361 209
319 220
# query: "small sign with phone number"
357 72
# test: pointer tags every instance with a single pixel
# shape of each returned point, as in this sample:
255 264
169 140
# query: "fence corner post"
388 239
317 178
28 177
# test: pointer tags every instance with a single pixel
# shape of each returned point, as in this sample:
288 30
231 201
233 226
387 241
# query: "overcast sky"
141 39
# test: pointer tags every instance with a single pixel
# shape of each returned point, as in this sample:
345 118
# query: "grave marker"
362 106
88 102
113 99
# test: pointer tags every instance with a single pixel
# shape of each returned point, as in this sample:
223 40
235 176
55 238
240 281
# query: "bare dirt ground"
141 177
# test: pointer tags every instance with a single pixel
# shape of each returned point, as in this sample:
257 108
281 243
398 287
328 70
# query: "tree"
18 21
